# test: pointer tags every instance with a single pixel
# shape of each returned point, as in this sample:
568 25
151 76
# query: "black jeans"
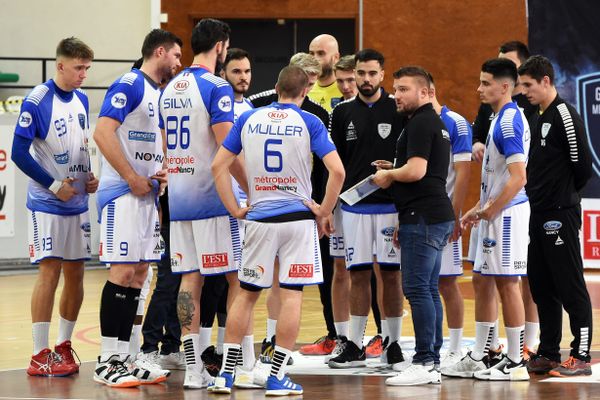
161 323
555 271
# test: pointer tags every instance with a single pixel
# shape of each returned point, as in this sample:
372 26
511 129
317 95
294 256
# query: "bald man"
326 93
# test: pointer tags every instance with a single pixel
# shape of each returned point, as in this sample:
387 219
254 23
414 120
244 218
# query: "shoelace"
569 363
76 355
320 340
119 366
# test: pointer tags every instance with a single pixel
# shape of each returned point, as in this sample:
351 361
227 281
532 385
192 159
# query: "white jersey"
461 139
240 107
58 123
278 141
507 142
191 103
132 100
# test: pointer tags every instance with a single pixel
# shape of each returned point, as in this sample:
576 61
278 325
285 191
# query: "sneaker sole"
154 382
223 390
117 385
248 386
50 375
351 364
373 355
459 374
282 392
499 378
559 375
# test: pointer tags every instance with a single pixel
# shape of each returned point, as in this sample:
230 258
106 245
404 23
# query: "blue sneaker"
222 384
284 387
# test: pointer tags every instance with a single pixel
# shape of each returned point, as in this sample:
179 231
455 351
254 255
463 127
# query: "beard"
368 90
326 71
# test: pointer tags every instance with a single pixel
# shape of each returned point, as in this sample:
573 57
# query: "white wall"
114 29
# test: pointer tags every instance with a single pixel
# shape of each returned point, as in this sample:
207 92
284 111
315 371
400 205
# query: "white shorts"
211 246
502 243
145 291
368 235
336 240
296 243
473 244
130 231
452 259
64 237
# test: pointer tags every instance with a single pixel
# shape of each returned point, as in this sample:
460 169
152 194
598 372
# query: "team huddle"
253 188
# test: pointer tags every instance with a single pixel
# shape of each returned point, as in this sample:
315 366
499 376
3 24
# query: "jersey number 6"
273 160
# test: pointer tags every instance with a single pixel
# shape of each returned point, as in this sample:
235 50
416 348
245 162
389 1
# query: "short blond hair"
308 63
346 63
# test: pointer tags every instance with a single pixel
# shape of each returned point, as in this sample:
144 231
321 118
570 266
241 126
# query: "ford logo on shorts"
552 225
489 242
389 231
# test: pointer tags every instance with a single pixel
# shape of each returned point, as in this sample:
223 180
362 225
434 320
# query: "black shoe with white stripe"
114 373
351 356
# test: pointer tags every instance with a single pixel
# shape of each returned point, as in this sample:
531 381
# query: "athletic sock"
495 343
248 357
514 338
65 330
455 340
358 323
109 347
231 353
40 332
483 337
190 346
271 328
128 313
280 359
123 349
531 334
135 340
395 328
112 303
385 329
205 337
220 339
342 328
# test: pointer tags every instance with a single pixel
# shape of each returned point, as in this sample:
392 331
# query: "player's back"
191 103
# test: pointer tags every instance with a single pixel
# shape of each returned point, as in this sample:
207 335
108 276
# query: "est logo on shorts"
100 249
31 251
215 260
301 271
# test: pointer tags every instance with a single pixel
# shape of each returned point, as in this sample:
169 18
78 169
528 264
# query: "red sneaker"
374 347
322 347
48 363
66 352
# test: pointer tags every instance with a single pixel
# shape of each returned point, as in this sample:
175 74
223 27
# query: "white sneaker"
151 357
451 358
340 343
114 373
465 368
196 377
416 375
253 379
147 372
505 370
174 361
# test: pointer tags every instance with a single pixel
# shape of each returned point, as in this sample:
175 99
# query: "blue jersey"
461 139
132 100
278 141
508 141
58 123
191 103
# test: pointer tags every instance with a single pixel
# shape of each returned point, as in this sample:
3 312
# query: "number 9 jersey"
191 103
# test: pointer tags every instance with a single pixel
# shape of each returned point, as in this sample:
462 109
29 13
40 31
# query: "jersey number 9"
178 132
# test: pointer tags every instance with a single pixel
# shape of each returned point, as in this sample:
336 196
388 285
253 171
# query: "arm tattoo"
185 309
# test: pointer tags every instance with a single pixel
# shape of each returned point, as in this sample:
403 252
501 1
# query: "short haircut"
308 63
291 81
537 67
74 48
369 55
519 47
157 38
414 71
138 63
235 54
346 63
500 68
207 33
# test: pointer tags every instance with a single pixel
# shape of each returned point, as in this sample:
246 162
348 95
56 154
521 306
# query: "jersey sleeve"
233 141
461 138
221 105
336 131
419 139
511 138
29 122
320 142
576 143
123 97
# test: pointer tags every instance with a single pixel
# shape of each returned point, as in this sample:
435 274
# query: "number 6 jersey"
191 103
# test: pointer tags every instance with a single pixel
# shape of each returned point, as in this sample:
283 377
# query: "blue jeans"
421 252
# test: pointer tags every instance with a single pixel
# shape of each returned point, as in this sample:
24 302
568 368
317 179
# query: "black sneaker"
266 352
394 353
212 361
351 357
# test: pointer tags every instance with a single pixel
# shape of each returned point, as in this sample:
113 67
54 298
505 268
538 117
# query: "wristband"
55 187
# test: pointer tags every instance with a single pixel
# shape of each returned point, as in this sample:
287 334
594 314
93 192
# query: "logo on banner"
588 100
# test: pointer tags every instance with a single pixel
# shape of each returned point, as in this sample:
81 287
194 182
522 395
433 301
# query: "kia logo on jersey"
181 86
277 115
215 260
301 271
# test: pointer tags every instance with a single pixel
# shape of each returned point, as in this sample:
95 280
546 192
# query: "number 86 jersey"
190 105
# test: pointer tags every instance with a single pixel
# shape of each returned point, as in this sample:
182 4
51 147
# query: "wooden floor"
15 347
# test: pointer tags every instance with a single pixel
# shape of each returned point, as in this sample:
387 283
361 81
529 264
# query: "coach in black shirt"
559 166
425 215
